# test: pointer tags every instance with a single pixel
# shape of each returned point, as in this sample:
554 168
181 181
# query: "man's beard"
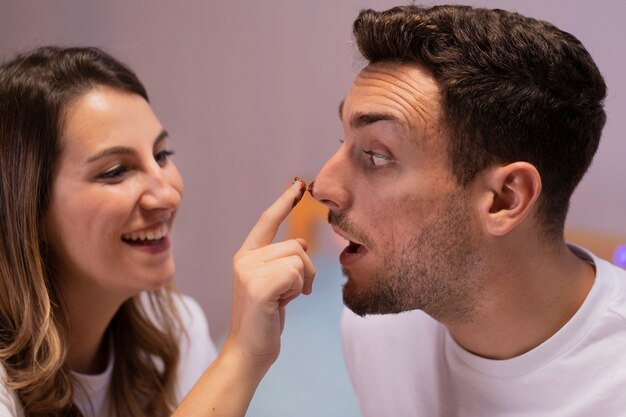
436 271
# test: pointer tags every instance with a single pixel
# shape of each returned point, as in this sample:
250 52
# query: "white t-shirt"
196 354
408 364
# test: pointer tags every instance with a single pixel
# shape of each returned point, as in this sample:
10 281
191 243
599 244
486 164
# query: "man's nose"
330 186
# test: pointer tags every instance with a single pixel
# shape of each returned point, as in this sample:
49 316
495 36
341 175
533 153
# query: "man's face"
391 193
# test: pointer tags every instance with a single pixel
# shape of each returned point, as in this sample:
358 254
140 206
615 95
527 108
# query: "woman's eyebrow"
124 150
161 137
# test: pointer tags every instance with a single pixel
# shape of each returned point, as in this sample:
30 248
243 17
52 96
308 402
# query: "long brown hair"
35 89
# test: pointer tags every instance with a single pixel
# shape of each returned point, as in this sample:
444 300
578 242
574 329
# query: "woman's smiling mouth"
152 240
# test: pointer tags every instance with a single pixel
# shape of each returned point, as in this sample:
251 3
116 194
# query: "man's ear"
509 194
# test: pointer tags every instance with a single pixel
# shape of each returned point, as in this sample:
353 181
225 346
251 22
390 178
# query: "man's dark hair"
513 88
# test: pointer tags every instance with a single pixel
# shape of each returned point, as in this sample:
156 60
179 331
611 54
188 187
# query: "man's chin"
353 299
372 302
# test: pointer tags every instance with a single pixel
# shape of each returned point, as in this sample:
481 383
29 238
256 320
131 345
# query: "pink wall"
249 94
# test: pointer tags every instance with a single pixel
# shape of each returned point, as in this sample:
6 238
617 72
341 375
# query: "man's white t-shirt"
408 364
197 352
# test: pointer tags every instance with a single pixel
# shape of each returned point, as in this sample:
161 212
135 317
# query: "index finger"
265 229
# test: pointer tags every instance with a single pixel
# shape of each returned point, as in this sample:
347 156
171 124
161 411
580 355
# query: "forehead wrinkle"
404 93
407 105
399 96
416 98
406 108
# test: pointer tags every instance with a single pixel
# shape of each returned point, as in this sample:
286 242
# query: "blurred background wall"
249 93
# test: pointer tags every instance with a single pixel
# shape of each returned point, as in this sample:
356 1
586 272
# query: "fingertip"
302 243
308 288
300 185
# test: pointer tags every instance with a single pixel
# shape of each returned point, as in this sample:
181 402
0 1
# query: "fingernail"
302 190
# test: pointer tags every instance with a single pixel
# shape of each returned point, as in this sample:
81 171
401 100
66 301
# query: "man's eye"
114 173
163 156
377 159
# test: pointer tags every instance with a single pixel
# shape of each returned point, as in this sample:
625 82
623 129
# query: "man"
465 136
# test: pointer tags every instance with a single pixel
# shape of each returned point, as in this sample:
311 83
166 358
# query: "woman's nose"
163 190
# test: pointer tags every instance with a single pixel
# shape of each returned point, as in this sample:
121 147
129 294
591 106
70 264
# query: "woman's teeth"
152 234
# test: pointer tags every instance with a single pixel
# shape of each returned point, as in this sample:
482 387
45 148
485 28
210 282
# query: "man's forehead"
405 93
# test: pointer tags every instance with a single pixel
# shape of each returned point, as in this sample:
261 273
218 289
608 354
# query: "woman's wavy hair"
35 89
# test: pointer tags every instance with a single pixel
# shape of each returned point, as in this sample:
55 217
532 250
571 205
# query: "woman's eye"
377 159
163 156
114 173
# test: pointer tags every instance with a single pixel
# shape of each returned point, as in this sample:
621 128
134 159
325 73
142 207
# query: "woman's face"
114 197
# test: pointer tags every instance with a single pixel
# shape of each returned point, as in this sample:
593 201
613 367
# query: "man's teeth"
153 234
353 247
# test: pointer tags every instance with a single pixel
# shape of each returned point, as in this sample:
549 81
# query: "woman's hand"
266 277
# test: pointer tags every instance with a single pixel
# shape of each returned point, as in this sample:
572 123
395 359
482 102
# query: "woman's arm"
266 276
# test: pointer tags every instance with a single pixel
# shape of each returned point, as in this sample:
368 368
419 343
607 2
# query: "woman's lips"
153 232
152 239
151 246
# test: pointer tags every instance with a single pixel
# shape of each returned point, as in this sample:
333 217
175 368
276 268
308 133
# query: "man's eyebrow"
123 150
358 120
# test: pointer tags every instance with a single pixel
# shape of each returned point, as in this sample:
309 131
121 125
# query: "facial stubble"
437 270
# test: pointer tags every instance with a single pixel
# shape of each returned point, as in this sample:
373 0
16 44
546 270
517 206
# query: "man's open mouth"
351 253
354 247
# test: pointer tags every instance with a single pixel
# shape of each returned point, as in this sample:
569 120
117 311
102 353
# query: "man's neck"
525 302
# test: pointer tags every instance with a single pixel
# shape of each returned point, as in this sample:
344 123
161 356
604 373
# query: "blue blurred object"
310 378
619 256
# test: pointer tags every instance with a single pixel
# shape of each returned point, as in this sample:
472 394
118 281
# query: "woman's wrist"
253 365
227 386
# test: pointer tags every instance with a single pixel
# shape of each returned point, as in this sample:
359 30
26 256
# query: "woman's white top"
91 391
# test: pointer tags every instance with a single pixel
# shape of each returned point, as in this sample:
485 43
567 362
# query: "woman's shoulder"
9 403
197 349
191 314
195 324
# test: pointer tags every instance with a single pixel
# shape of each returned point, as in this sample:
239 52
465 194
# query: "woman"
90 324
